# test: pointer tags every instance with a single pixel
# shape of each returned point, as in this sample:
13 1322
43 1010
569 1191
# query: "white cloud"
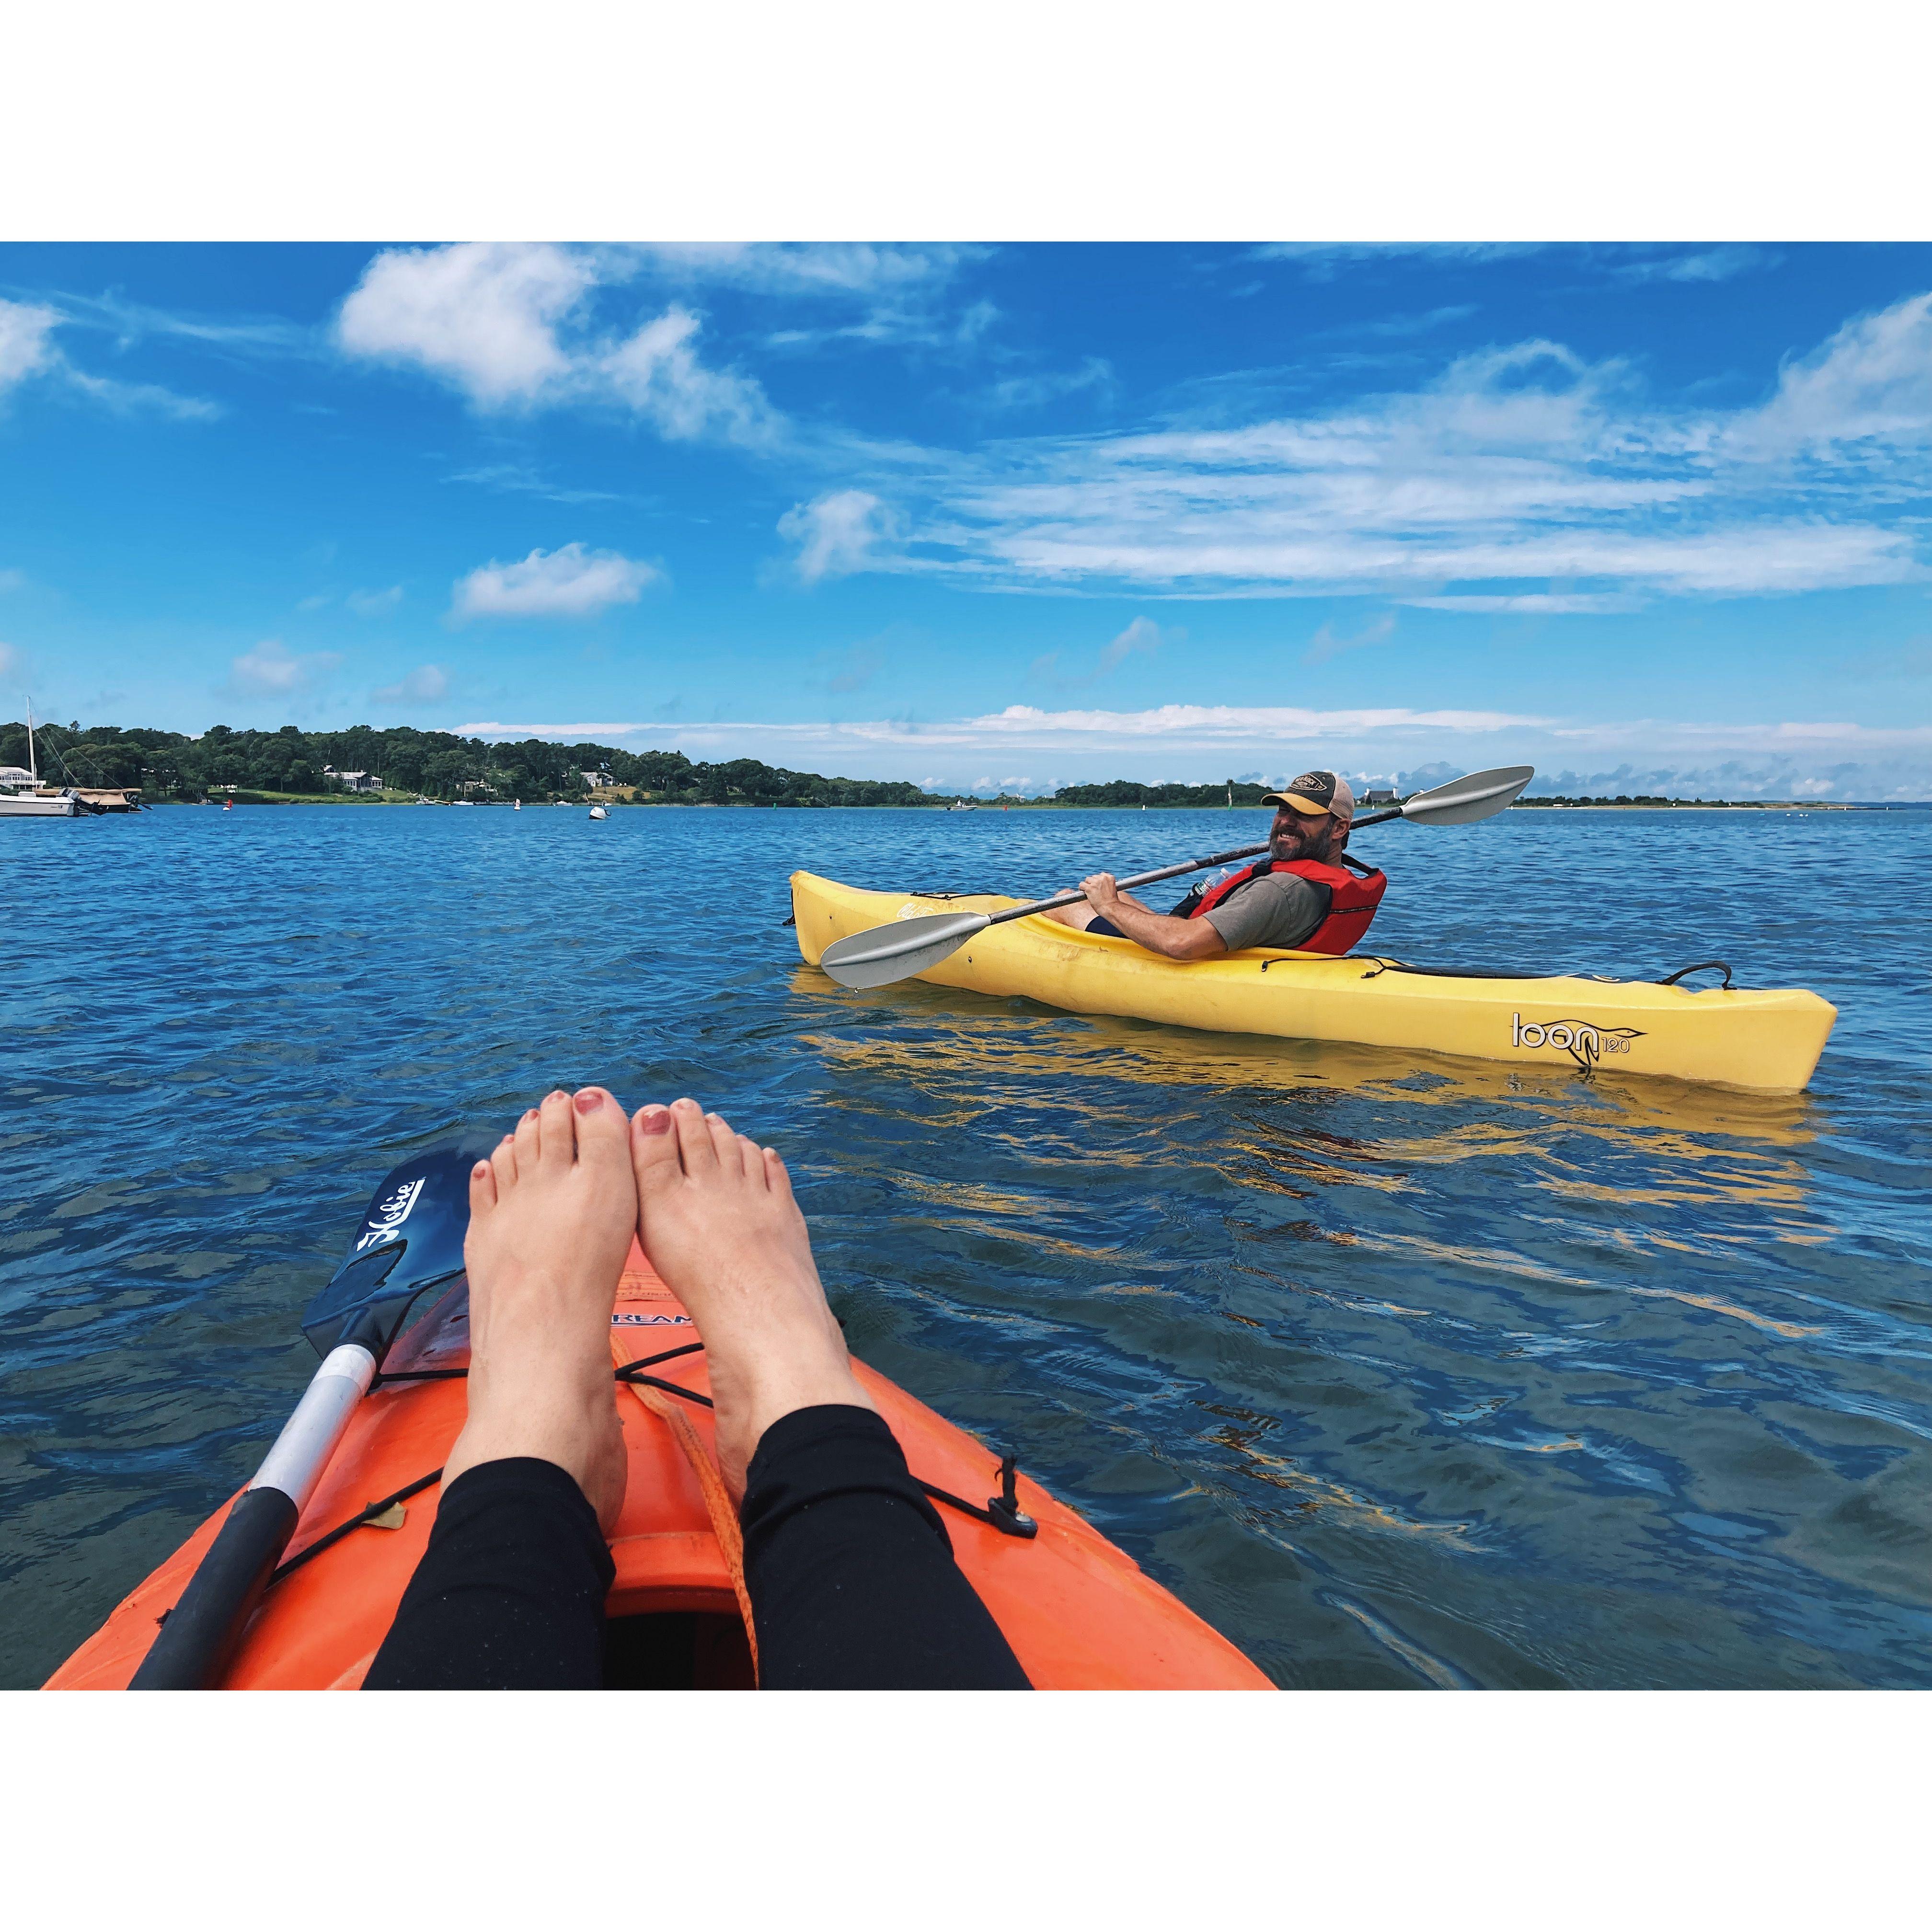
27 349
809 268
1533 603
26 345
374 603
1706 264
424 686
1027 392
1872 381
481 314
13 661
837 533
571 582
1143 635
11 579
511 325
1326 644
271 670
1524 471
1201 743
657 371
1322 261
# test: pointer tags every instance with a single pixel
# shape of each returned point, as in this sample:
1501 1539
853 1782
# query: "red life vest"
1351 900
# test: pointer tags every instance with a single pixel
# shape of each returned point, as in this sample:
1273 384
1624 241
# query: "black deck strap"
651 1361
458 1375
633 1377
342 1529
1002 1511
784 922
1709 965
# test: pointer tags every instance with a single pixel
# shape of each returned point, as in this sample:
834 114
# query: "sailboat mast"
33 764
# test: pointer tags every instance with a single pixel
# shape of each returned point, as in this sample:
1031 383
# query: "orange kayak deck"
1079 1613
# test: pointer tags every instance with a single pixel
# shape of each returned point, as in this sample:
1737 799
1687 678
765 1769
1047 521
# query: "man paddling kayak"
1306 895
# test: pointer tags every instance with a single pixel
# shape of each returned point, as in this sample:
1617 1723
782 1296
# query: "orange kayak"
1079 1613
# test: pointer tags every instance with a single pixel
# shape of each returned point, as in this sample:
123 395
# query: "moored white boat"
21 796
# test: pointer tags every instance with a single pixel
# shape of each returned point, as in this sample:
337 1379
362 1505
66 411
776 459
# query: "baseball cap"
1315 793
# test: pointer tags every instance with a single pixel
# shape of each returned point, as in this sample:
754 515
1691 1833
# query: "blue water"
1402 1371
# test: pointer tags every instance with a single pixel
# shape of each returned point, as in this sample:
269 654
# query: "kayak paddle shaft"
202 1630
1073 898
410 1240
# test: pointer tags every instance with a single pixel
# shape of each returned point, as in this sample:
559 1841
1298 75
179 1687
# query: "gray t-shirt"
1278 909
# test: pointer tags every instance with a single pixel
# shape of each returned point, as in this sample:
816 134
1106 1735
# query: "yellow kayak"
1768 1041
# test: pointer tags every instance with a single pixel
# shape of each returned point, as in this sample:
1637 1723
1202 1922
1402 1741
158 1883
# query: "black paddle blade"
411 1238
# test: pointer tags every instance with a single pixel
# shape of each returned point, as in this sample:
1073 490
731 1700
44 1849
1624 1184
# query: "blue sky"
1650 518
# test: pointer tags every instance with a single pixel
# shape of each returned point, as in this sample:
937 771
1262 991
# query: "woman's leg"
509 1594
850 1572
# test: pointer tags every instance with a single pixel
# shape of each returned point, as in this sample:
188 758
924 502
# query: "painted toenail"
655 1121
590 1100
477 1172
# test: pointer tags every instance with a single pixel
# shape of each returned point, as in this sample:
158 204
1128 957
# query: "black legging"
853 1583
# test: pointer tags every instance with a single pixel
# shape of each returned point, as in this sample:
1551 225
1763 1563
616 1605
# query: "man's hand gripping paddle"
886 954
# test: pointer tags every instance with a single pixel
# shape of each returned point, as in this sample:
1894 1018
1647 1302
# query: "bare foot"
550 1216
716 1216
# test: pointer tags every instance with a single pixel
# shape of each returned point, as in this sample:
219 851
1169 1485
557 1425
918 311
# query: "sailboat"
20 794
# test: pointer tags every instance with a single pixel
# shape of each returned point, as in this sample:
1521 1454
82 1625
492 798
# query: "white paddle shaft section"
308 1438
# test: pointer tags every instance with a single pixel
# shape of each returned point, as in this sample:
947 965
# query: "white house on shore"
352 781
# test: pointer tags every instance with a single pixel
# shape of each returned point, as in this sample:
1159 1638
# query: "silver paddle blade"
1462 801
886 953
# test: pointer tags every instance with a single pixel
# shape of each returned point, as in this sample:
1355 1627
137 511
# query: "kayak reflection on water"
1305 895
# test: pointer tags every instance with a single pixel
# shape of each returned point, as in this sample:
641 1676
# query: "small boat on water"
962 805
306 1586
600 811
1769 1041
21 795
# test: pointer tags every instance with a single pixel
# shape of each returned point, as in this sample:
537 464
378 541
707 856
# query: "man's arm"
1159 932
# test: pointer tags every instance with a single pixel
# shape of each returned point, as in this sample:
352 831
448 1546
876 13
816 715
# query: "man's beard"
1281 850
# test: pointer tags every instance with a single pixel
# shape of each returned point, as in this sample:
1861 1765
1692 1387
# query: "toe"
724 1143
654 1147
751 1158
777 1178
602 1128
482 1189
503 1164
528 1140
694 1144
556 1141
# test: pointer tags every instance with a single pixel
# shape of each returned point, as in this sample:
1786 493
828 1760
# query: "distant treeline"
431 764
1123 791
293 763
1641 798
